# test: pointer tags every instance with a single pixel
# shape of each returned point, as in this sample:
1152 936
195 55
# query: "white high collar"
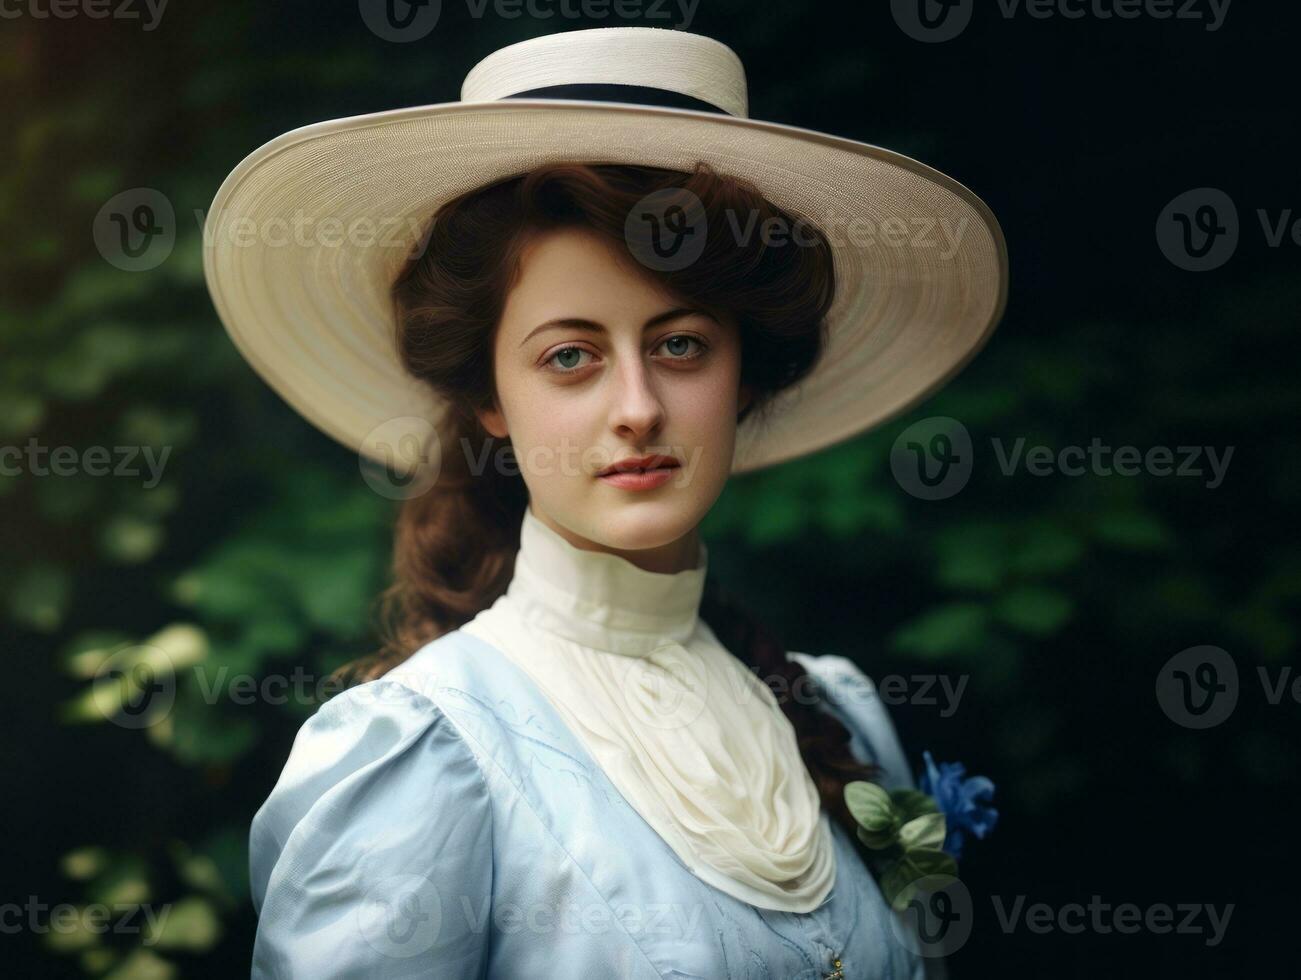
599 599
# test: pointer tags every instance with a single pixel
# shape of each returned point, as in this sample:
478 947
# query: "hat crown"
650 57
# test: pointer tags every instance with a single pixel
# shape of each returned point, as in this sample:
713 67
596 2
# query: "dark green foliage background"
1058 597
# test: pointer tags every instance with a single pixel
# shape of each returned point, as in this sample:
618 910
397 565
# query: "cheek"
560 418
705 431
549 429
538 412
710 399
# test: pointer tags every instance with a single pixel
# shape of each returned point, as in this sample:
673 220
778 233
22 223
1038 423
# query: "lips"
640 464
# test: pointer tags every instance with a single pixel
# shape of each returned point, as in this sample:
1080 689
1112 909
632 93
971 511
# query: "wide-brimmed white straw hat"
306 235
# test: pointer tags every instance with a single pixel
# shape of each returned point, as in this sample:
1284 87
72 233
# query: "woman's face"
595 364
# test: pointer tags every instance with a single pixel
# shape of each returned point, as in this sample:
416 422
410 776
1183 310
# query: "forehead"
573 272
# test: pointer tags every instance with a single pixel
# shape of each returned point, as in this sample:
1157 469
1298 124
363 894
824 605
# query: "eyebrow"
577 323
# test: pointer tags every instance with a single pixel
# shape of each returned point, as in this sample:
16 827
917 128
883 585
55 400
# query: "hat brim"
305 236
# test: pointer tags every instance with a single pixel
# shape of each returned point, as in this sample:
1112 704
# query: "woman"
574 756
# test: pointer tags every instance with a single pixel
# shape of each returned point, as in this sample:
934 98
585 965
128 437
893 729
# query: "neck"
676 556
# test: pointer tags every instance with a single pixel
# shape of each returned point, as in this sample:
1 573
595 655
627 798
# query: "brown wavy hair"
455 544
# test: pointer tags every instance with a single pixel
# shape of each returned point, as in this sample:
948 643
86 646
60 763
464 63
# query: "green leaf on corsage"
874 812
907 831
899 878
924 833
912 803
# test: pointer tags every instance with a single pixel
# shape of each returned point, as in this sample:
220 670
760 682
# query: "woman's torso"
579 883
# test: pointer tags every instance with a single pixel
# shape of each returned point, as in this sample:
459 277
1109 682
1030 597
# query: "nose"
636 411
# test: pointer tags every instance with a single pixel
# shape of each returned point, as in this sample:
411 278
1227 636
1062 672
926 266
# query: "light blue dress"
443 822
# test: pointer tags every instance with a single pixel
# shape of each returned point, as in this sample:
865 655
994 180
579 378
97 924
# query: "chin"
638 525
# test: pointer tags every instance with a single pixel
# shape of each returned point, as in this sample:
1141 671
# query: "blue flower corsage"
911 834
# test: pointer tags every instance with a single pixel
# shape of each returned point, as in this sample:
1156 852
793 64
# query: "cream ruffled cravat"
692 739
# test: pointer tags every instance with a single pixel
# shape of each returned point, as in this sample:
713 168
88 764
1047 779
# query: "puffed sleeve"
372 857
850 695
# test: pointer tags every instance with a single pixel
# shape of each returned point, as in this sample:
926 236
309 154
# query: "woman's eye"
566 359
675 345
